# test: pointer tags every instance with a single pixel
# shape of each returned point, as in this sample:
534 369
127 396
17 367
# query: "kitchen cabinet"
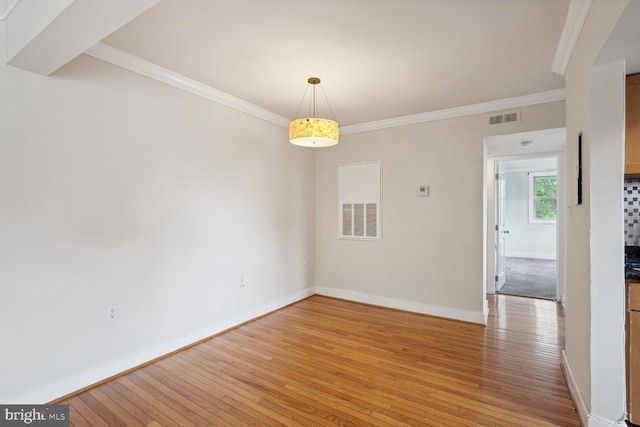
632 139
633 351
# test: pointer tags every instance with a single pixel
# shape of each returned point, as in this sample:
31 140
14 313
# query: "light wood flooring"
327 362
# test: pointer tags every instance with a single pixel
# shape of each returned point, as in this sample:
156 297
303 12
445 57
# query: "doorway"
526 232
524 249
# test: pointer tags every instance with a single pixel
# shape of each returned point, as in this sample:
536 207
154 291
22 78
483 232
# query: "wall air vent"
504 118
496 120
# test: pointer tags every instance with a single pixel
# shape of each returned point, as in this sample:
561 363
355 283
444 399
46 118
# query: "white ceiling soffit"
577 14
133 63
6 6
42 36
624 41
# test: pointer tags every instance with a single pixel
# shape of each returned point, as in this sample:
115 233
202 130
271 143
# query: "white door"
500 229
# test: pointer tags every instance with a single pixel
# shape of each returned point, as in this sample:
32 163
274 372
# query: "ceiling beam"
576 15
43 36
6 6
623 41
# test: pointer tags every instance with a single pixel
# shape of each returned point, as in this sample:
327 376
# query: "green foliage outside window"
545 197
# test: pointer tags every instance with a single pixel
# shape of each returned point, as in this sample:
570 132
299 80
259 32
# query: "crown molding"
138 65
485 107
576 15
6 6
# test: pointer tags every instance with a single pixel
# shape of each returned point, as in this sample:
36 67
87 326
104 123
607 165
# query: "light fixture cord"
313 102
306 89
333 116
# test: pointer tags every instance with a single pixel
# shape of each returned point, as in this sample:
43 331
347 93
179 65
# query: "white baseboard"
574 390
92 376
584 411
599 422
534 255
450 313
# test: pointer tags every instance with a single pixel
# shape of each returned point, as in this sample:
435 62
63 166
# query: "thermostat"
423 190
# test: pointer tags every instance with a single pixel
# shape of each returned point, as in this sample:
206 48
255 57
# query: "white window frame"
532 197
360 184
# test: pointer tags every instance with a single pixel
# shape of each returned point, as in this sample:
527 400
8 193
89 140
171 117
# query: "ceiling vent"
504 118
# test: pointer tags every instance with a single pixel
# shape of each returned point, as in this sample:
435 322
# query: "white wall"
115 189
607 97
594 345
525 239
431 255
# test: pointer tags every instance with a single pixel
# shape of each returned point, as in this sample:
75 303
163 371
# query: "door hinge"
497 176
496 279
497 227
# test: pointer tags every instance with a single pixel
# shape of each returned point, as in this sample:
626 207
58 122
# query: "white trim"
574 390
601 422
138 65
92 376
485 310
586 418
6 6
449 313
576 15
485 107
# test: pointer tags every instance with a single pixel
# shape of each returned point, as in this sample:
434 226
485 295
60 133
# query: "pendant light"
313 131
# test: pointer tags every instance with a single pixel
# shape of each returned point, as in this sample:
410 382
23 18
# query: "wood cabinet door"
633 364
632 139
634 295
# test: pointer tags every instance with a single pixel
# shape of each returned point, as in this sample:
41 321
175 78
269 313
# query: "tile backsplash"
632 211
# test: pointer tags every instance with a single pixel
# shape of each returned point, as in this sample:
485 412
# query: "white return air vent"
505 118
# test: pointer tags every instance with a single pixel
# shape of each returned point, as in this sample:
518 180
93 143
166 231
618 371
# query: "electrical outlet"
112 313
242 281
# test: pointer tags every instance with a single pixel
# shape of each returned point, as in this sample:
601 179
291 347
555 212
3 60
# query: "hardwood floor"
327 362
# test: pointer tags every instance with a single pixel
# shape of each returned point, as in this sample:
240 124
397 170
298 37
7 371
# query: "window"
359 187
543 197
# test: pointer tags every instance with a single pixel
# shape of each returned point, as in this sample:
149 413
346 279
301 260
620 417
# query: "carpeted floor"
530 277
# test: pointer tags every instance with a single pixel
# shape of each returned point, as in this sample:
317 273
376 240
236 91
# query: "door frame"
499 237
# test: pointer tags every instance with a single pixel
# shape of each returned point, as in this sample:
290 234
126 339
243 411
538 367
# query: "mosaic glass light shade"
314 132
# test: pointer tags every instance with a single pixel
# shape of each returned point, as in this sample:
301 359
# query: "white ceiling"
542 141
624 40
378 59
